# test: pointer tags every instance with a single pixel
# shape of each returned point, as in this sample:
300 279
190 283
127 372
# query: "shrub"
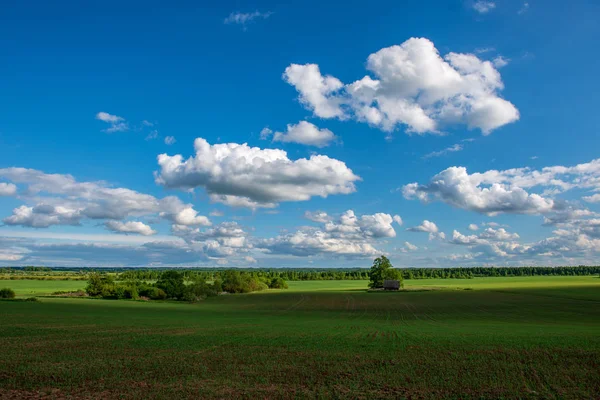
236 282
7 293
198 291
130 292
99 285
172 283
153 293
278 283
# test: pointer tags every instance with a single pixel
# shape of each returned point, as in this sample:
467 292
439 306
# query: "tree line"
298 274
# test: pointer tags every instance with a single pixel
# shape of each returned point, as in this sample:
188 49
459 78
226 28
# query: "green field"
533 337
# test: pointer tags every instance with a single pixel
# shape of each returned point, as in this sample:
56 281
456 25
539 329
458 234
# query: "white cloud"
117 124
237 174
494 192
130 227
61 200
378 225
593 198
500 62
316 91
7 189
305 133
473 227
483 6
243 19
250 260
348 236
265 133
152 135
216 213
317 216
227 239
413 86
428 227
169 140
409 247
43 216
451 149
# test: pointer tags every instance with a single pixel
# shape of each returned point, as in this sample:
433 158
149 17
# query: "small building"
390 284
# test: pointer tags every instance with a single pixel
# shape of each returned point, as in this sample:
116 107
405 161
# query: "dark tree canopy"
381 270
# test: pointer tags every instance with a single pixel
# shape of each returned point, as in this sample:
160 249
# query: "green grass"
27 288
508 338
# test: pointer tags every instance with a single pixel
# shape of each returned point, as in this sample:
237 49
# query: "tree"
97 284
381 270
7 293
172 283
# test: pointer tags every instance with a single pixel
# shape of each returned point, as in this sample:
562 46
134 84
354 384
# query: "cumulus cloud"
473 227
317 92
317 216
500 62
224 240
494 192
304 133
7 189
378 225
483 6
349 236
590 199
130 227
116 123
489 234
43 216
169 140
413 86
240 175
428 227
62 200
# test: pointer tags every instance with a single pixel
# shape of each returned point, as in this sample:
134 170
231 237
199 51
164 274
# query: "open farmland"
507 337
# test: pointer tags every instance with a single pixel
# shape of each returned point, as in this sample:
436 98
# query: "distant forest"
303 274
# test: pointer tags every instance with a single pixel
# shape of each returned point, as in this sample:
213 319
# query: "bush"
7 293
198 291
99 285
153 293
236 282
278 283
172 283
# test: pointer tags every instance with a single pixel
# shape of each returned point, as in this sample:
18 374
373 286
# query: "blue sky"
320 135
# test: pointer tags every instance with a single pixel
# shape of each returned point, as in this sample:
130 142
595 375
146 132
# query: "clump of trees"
382 270
7 293
172 284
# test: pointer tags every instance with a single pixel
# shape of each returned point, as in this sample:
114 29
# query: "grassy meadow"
529 337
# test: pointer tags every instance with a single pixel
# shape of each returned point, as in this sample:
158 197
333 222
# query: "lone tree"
381 270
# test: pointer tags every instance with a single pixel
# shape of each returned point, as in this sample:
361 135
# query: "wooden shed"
390 284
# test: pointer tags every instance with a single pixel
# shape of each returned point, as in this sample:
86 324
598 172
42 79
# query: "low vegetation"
7 293
172 285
